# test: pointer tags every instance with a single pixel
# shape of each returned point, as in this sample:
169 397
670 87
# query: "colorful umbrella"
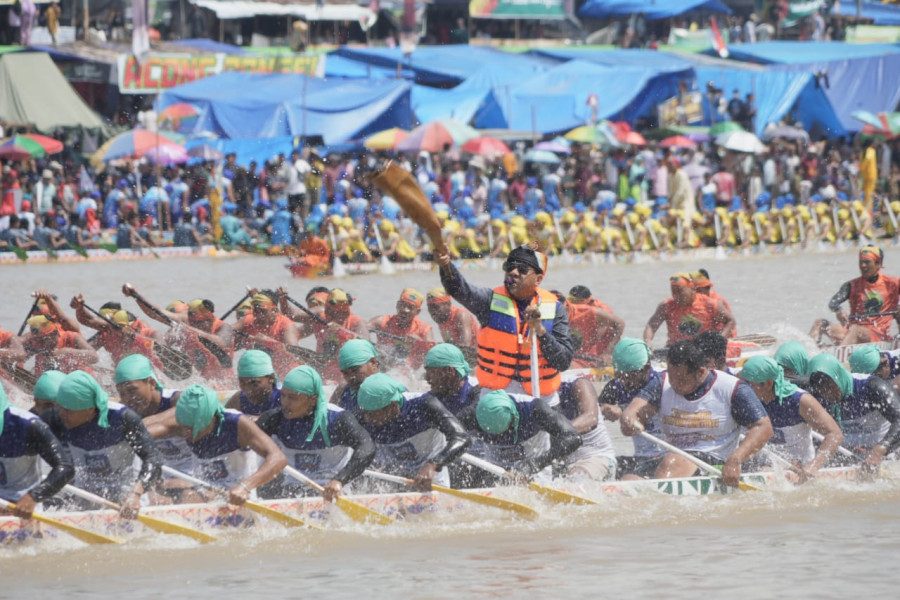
741 141
486 146
178 117
785 132
29 145
432 137
724 127
884 125
541 156
386 139
633 138
560 145
678 141
132 144
168 154
205 152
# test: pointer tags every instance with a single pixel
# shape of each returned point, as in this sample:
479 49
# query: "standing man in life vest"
508 315
687 314
414 335
458 326
873 300
204 337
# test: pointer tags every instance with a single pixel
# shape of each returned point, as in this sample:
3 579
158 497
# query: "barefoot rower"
322 441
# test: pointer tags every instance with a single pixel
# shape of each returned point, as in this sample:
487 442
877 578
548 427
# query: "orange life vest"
687 322
869 298
451 327
329 343
718 325
205 362
413 350
504 345
66 364
282 360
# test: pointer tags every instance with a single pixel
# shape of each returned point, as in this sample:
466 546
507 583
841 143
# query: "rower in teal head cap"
79 395
259 390
496 412
447 372
138 387
199 408
306 381
630 354
865 360
357 360
792 356
46 390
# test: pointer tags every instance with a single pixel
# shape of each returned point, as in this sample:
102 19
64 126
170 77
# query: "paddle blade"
403 187
89 537
746 487
176 529
558 496
271 513
520 509
362 514
111 248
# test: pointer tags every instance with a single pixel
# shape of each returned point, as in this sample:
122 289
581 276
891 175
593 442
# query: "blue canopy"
246 105
777 94
806 52
652 9
348 68
661 61
880 14
212 46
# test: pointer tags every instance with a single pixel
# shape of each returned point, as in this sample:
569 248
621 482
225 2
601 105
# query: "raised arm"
656 319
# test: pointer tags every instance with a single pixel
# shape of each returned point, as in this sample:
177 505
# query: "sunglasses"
519 266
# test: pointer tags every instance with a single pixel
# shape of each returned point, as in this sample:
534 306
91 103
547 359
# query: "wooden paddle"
520 509
234 308
552 494
284 519
23 378
354 510
708 468
151 522
28 316
84 535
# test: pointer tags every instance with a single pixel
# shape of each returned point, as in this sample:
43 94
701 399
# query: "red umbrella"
633 138
677 141
486 146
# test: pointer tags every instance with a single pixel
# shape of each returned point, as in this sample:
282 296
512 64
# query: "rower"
704 287
793 358
341 324
324 442
139 389
11 349
607 328
596 458
259 389
795 413
120 333
593 330
56 349
414 335
701 412
458 326
204 337
521 434
448 374
872 293
715 349
46 304
267 330
357 360
219 440
631 361
24 441
687 314
104 438
866 407
46 389
415 436
869 360
507 315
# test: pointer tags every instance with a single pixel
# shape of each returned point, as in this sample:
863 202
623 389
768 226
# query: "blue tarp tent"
557 99
652 9
661 61
246 105
441 65
881 14
855 76
777 93
348 68
212 46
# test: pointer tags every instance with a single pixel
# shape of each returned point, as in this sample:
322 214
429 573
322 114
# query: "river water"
820 540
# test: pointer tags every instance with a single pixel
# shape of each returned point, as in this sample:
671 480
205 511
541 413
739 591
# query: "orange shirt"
451 327
414 351
687 322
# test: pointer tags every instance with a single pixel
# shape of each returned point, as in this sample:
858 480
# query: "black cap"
581 292
525 255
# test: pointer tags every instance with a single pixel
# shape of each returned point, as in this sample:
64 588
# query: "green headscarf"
630 354
197 407
134 368
47 386
496 411
255 363
4 404
793 356
762 368
305 380
80 391
448 355
378 391
865 360
355 352
831 366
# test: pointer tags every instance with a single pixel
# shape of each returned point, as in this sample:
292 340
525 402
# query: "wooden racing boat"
406 506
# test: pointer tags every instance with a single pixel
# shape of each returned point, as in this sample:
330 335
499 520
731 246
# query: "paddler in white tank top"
794 414
701 412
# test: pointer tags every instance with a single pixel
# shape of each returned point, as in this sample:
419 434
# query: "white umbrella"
741 141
